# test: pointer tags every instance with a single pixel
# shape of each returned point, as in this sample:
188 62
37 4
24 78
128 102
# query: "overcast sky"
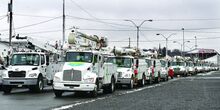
199 18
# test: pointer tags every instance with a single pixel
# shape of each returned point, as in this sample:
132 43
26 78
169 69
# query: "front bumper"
0 81
73 86
179 72
19 81
123 80
163 76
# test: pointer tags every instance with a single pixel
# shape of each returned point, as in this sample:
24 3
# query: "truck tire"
94 93
157 79
39 86
58 93
167 78
142 81
6 89
150 80
131 85
111 87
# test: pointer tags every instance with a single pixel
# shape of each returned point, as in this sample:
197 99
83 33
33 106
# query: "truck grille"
119 74
16 73
176 69
72 75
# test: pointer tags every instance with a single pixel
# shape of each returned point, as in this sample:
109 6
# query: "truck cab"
131 71
154 70
179 68
85 71
164 70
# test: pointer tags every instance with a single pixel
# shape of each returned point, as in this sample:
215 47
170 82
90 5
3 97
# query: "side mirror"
168 64
154 65
3 68
47 60
137 62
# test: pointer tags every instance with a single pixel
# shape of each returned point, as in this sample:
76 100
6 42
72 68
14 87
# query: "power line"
41 32
30 25
204 38
95 18
38 16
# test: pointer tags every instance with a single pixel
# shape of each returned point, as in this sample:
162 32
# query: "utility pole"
63 22
129 44
10 12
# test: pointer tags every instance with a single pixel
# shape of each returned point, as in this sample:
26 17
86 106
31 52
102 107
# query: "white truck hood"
77 66
20 68
123 70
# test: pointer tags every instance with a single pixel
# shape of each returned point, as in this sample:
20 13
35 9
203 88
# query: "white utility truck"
154 70
84 70
29 69
131 70
179 66
164 70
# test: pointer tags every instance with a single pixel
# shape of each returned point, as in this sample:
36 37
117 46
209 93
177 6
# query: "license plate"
71 87
20 85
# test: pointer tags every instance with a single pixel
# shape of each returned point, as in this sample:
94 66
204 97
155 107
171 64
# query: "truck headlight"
4 75
56 79
33 75
89 80
127 75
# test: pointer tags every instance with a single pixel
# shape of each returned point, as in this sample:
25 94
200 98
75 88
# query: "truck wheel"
142 82
7 89
167 78
131 85
150 80
58 93
94 93
39 86
112 85
157 79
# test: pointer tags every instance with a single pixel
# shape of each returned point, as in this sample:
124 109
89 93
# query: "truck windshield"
79 57
149 62
25 59
163 63
120 61
177 63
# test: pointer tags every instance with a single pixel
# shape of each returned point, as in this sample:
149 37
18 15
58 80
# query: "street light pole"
181 46
183 43
166 41
138 28
196 42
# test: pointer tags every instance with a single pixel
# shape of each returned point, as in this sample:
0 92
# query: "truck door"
100 65
43 65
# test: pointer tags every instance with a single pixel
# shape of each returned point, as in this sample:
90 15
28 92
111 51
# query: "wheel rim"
40 85
143 81
131 83
113 86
